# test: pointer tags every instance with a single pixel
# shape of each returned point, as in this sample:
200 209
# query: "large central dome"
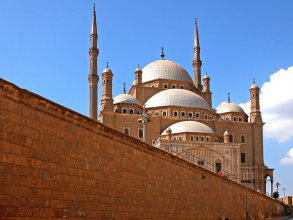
165 69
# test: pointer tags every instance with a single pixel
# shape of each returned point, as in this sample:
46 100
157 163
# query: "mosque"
165 108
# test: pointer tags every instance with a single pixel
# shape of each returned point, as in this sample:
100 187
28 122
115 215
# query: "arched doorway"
269 179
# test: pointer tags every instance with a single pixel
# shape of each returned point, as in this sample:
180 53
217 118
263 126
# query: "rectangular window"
205 116
190 114
124 110
165 113
208 139
234 118
197 138
157 113
243 158
166 86
181 87
218 167
182 114
197 115
174 86
240 119
175 114
140 133
202 139
131 111
153 142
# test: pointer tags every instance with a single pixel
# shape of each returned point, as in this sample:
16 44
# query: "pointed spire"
228 97
253 81
162 54
94 23
124 90
196 38
107 65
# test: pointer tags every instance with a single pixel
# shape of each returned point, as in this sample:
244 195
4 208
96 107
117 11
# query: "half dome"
189 126
229 107
165 69
125 98
177 97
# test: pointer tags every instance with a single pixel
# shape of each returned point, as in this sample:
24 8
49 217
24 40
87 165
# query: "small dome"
138 70
229 107
206 77
254 86
177 97
189 126
125 98
165 69
107 70
226 133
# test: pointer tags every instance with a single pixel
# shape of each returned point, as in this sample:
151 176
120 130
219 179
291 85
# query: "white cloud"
276 105
287 160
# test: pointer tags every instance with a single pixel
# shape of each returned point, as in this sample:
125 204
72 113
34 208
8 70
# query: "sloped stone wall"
58 164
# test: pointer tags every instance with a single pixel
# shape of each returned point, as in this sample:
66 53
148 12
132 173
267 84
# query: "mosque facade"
165 108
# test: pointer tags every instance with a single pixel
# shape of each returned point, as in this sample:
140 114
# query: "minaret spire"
94 23
93 76
196 63
196 38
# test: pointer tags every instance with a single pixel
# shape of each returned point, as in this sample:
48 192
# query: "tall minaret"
196 63
93 76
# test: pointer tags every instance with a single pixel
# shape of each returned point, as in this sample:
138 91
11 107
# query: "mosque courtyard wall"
57 164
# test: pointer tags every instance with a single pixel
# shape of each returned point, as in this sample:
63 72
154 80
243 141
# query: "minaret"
107 100
206 83
196 63
93 76
138 76
207 94
255 115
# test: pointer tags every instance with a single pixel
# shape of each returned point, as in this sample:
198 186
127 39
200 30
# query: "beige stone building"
167 109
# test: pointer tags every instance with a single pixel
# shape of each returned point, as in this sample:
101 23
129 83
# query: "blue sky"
44 49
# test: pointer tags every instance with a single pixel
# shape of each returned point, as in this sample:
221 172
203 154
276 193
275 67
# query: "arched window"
231 139
192 138
243 139
126 131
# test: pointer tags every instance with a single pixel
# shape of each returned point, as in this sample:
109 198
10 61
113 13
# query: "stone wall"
58 164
